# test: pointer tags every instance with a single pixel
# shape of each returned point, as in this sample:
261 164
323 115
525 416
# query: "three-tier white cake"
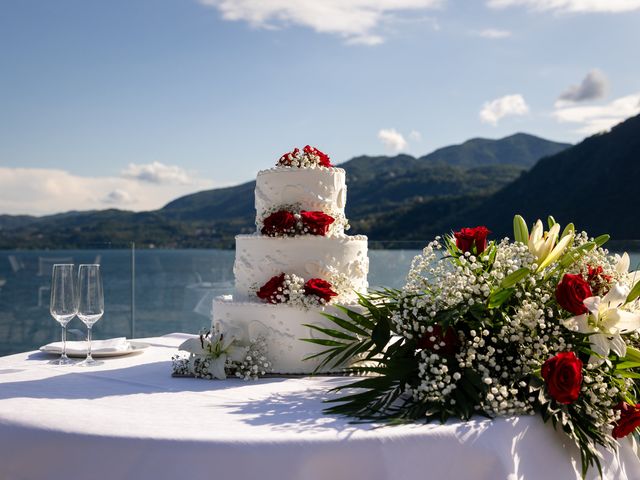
298 264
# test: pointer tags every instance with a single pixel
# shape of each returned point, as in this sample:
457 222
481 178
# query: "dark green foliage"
594 184
377 186
519 149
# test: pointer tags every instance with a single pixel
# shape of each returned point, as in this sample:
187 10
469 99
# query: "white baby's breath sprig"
217 354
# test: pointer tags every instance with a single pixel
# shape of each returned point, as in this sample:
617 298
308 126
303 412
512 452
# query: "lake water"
147 292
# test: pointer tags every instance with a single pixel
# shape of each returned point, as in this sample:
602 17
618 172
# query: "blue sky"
130 103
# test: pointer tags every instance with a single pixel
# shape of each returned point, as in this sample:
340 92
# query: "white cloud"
506 106
354 20
392 139
157 172
597 118
118 197
571 6
493 33
592 87
39 191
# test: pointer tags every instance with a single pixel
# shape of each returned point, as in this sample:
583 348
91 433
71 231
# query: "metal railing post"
133 290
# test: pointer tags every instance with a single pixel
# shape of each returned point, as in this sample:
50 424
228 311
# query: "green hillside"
593 184
377 187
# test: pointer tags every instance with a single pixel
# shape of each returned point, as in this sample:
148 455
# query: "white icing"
338 258
258 258
320 189
282 326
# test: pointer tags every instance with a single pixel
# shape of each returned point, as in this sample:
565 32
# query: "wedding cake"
299 263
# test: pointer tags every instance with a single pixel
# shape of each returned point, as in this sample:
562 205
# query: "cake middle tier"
340 260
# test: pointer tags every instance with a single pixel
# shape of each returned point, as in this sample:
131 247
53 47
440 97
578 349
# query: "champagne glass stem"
64 343
89 357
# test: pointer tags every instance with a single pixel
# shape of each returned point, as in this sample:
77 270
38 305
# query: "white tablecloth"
129 419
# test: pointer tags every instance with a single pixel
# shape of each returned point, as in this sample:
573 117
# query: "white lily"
540 242
219 347
622 266
605 323
545 246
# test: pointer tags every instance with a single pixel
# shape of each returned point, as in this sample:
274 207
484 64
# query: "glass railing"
148 292
25 288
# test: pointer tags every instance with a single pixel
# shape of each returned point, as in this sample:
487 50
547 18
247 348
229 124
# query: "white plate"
133 347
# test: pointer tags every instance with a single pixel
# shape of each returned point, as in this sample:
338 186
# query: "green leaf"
479 311
352 352
551 221
624 373
633 354
332 333
626 365
569 229
357 317
446 317
492 256
602 239
498 297
574 254
381 333
468 388
473 377
366 303
520 229
347 325
634 293
513 278
324 342
324 352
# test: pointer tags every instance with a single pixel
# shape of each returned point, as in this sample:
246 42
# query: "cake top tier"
303 194
309 157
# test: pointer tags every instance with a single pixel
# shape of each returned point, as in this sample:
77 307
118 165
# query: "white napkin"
111 345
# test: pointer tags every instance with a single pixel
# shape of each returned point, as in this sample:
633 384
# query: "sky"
131 103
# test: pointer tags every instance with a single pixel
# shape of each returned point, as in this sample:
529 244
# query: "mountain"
218 204
377 186
593 184
15 221
519 149
478 164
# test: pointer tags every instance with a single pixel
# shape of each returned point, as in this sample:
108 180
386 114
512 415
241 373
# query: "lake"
147 292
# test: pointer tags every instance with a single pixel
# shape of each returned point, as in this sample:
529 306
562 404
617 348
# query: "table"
129 419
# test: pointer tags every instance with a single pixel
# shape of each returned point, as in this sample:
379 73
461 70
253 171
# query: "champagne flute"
64 303
91 304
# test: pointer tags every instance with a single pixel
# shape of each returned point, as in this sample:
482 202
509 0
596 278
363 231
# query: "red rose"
271 289
450 339
629 419
563 376
320 288
284 159
467 237
316 222
571 292
598 280
279 223
324 158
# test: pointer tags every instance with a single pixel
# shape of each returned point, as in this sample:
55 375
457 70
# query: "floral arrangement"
289 222
546 324
294 290
217 354
309 157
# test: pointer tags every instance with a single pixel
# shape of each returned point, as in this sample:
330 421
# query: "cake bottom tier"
283 327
